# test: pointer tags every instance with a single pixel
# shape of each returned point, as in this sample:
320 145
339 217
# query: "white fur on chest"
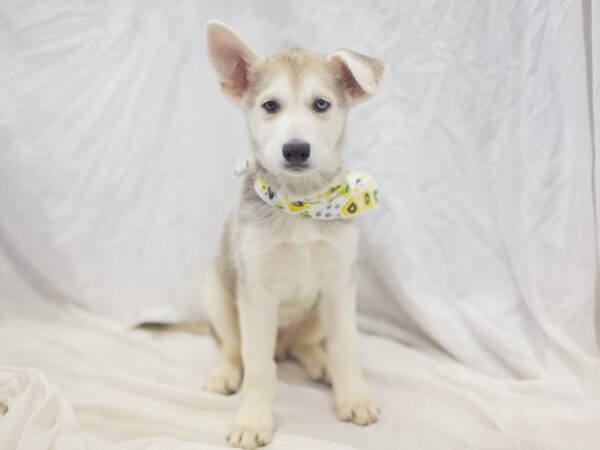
294 258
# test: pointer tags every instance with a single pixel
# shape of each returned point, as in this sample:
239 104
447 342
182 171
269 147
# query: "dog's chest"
298 277
298 257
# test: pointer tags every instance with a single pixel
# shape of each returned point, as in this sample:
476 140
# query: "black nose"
296 152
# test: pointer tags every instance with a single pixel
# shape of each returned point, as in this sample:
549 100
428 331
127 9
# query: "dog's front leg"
253 425
353 400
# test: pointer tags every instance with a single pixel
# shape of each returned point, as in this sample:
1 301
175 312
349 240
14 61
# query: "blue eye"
321 105
271 106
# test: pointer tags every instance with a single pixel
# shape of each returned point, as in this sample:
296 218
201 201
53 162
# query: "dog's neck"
297 187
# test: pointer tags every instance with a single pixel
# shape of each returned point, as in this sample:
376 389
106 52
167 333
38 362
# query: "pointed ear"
361 75
231 58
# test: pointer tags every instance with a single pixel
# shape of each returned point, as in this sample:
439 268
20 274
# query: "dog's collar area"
355 195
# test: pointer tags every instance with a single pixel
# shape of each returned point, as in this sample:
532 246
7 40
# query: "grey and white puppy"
285 285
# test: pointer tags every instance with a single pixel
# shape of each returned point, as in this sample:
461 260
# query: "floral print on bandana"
356 195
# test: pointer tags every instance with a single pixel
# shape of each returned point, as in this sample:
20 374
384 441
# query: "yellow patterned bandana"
356 195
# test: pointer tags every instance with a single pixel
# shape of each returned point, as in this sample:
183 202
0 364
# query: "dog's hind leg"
226 377
307 349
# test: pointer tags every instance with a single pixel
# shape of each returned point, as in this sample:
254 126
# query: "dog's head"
296 103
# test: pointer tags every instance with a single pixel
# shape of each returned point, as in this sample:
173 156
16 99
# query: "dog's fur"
285 285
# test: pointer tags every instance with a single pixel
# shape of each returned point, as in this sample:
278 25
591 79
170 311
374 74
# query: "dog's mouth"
297 169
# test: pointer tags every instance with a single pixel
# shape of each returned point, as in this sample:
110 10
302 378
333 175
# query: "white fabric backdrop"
82 383
116 157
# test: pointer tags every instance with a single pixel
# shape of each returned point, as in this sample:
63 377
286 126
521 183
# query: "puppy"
284 281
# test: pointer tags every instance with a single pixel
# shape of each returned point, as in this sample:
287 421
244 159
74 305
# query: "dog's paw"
314 361
253 425
317 371
250 436
224 379
363 412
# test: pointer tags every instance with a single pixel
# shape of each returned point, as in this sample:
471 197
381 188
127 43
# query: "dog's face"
296 102
296 114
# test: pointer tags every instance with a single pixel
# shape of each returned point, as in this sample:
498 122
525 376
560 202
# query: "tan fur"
296 64
283 284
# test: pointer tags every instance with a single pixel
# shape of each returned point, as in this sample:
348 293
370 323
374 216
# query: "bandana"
354 196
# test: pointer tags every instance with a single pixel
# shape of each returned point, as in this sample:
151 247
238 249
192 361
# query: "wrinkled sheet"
74 381
116 158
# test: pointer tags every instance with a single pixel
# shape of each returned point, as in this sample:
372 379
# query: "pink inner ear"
352 86
240 74
234 72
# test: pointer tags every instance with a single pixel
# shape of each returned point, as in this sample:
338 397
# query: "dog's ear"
231 58
361 75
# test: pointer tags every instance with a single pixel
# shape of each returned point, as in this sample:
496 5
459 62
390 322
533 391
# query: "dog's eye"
321 105
271 106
